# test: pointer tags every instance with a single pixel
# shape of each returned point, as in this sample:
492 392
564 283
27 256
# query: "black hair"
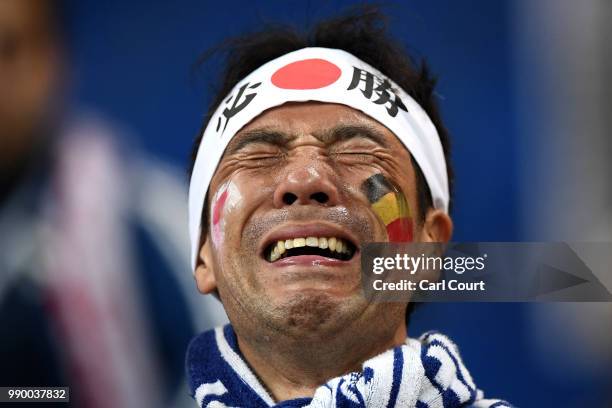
361 32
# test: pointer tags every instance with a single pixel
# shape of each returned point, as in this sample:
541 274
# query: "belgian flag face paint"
390 205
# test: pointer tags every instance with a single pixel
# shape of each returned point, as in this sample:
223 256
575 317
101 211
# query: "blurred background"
100 102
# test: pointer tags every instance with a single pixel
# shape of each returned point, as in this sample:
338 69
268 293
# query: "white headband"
324 75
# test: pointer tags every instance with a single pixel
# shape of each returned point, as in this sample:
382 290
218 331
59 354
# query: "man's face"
291 183
30 73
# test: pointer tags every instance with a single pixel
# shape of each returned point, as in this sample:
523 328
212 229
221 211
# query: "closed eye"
261 159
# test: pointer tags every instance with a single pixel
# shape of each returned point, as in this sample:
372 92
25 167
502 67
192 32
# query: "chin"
314 314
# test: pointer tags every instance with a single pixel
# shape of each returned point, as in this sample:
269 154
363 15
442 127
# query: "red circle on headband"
306 74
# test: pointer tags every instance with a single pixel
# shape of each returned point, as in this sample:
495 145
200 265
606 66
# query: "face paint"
390 205
225 199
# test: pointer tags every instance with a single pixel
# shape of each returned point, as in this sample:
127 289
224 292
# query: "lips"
318 241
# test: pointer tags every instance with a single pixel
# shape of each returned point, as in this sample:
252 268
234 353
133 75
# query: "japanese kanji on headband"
323 75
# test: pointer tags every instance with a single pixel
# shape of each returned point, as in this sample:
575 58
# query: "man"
314 146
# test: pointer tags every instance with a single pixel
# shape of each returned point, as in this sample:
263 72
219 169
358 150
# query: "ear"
438 227
204 272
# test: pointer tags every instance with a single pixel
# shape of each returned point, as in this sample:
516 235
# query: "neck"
292 369
12 173
18 162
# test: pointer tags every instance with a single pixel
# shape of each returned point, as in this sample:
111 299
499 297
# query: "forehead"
313 117
24 15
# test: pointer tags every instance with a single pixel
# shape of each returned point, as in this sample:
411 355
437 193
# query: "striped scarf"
423 373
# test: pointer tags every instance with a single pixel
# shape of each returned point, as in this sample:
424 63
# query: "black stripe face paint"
390 205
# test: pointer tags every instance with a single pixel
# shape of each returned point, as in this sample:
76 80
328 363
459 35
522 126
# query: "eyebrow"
345 132
336 134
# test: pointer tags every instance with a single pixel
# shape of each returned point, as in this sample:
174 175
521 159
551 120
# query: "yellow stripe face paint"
391 206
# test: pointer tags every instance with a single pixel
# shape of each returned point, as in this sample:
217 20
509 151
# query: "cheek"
389 203
226 200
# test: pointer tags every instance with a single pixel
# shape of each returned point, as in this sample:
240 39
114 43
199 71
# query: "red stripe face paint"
390 205
224 200
218 208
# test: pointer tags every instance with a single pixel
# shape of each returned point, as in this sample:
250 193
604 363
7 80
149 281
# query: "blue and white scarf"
423 373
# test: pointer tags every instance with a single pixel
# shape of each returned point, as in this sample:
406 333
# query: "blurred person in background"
88 230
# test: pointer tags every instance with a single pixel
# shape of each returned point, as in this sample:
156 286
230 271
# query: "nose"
307 183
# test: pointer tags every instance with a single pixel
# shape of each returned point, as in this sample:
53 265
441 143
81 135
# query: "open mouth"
328 247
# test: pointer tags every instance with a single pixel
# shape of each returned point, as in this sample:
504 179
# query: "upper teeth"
331 243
